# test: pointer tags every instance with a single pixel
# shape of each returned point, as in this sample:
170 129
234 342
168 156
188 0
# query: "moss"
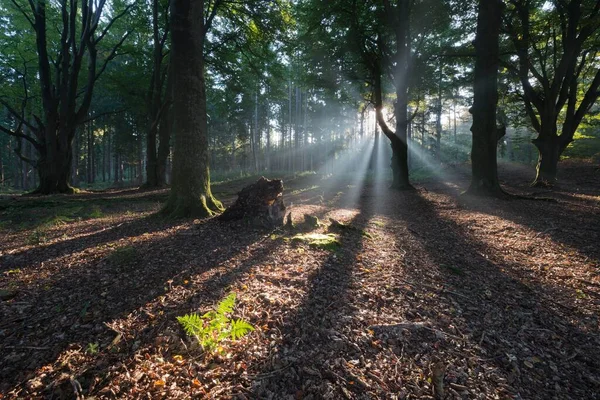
182 207
318 240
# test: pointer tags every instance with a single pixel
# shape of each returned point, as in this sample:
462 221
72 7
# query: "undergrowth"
216 325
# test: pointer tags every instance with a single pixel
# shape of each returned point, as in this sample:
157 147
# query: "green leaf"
192 324
240 328
227 304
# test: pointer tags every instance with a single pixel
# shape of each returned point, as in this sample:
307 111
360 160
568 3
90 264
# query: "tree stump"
260 204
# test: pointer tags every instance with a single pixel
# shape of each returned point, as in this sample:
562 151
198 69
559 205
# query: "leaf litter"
446 297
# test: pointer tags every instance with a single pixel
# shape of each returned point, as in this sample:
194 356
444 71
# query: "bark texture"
260 203
484 180
190 192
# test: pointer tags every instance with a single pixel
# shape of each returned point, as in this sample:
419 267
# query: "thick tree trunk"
484 180
550 149
164 133
55 174
190 192
400 165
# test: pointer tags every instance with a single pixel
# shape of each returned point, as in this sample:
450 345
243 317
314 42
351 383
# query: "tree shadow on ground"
56 318
482 322
313 350
37 255
567 221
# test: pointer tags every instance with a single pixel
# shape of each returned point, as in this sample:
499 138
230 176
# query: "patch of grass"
57 220
422 174
36 237
95 213
321 241
124 256
378 223
15 271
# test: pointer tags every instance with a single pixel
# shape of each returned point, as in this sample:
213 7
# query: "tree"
159 100
377 43
190 192
556 45
65 103
484 180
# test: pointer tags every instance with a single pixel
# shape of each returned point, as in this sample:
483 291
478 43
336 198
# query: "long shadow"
68 311
314 344
490 327
37 255
568 221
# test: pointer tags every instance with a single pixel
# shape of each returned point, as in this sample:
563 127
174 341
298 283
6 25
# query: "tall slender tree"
159 99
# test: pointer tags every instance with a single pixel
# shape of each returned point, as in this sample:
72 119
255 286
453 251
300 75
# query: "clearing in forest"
427 291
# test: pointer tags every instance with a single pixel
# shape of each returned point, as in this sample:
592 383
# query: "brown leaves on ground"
429 294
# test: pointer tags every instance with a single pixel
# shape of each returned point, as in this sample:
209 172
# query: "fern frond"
227 304
192 324
216 325
240 328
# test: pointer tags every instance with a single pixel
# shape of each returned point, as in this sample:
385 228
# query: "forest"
299 199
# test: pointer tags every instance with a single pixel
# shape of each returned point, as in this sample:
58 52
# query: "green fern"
192 324
240 328
215 326
226 305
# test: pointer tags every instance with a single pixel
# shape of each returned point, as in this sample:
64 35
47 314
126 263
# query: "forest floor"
489 298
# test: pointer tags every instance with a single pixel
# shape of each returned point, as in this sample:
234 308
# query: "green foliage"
96 213
216 325
586 144
37 237
92 348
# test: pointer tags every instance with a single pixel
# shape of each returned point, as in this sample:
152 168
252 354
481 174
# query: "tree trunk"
151 159
484 180
190 193
399 161
55 162
550 148
164 135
